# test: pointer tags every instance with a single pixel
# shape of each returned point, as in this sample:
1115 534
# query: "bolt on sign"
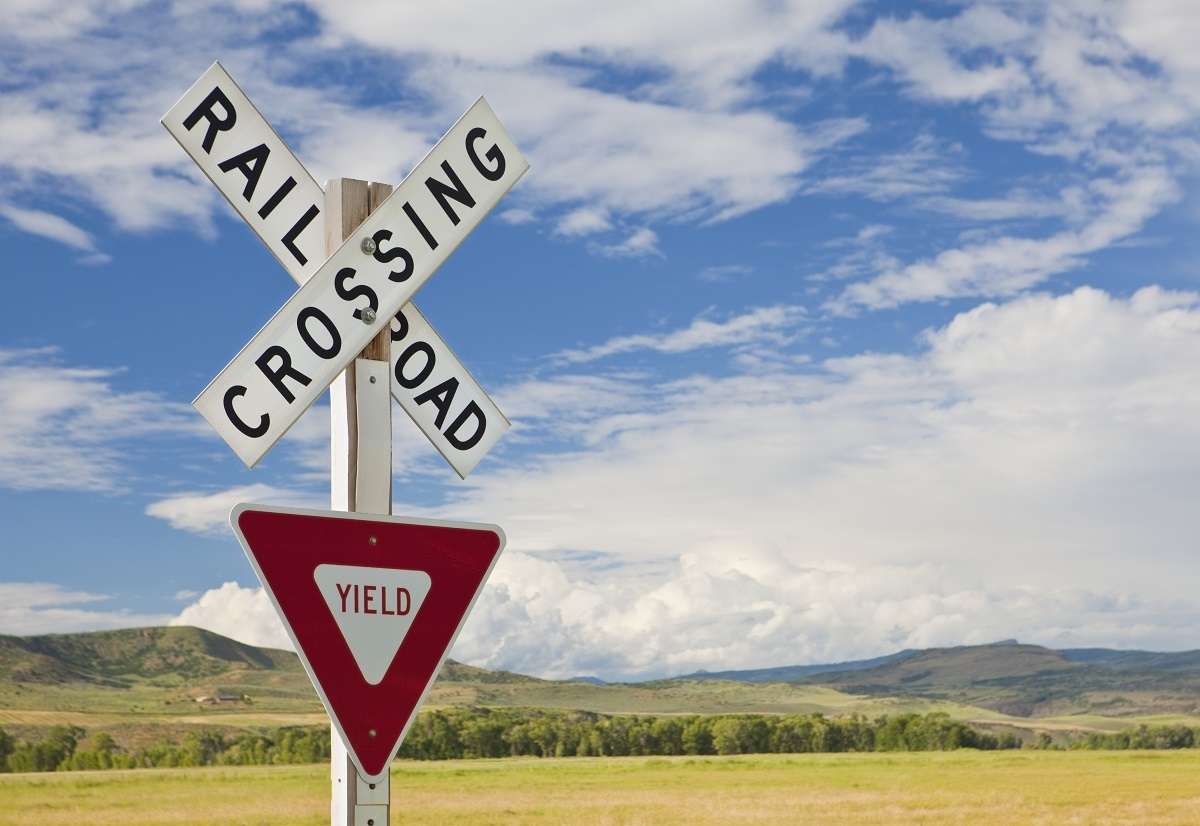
233 144
373 605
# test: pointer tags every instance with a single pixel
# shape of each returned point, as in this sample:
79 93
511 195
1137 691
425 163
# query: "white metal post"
360 472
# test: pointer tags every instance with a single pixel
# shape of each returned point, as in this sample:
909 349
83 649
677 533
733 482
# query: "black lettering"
215 124
494 155
283 371
339 286
451 434
400 331
420 225
442 397
388 256
441 192
250 163
281 193
264 421
335 338
289 240
426 368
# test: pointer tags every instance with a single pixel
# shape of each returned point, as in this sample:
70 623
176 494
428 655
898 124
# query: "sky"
826 328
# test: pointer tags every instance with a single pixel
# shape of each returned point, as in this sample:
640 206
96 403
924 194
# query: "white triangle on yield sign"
373 608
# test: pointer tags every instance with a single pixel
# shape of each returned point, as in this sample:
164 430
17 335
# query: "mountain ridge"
163 669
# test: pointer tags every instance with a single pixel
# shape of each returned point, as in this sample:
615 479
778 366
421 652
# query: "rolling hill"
1029 680
143 683
792 673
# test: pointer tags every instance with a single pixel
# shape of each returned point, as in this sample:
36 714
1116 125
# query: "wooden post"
360 429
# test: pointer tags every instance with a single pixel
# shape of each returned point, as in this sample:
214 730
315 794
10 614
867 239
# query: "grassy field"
1027 787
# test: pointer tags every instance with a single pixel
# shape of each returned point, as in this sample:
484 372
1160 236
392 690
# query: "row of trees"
481 732
70 748
469 732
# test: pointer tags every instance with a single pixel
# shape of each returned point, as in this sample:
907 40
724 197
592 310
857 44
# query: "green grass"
1142 788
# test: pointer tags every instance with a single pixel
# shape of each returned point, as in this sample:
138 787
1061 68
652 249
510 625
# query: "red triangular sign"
372 604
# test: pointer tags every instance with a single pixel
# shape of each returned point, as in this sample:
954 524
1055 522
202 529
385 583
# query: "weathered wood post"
360 427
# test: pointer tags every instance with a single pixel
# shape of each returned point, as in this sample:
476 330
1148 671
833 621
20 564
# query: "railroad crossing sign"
434 209
373 604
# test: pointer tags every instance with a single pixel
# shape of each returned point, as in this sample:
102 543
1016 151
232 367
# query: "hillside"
137 675
142 683
1029 680
792 673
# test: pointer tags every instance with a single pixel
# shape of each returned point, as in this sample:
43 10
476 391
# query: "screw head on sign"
368 245
372 379
372 541
367 315
371 733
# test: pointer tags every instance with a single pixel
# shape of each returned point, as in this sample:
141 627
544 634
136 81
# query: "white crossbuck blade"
227 137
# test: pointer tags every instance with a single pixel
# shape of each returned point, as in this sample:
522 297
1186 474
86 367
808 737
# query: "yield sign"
372 604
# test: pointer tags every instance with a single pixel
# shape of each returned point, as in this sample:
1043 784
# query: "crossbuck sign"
366 284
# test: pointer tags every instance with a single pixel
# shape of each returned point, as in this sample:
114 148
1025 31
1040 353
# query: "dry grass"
955 788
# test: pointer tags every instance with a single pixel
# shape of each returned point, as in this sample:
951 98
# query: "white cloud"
243 614
208 513
1036 456
87 116
926 166
45 608
1055 74
1009 264
583 221
640 243
1090 84
54 227
701 51
736 605
765 325
517 216
1049 439
70 428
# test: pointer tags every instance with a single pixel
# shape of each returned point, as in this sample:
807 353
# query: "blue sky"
826 328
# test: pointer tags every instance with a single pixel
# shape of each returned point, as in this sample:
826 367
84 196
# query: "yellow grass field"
963 787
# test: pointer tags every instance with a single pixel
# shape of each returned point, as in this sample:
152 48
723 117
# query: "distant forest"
481 732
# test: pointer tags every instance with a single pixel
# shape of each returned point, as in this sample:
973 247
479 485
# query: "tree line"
482 732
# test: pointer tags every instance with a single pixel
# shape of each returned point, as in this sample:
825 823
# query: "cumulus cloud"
243 614
736 605
1048 439
46 608
583 221
1027 471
